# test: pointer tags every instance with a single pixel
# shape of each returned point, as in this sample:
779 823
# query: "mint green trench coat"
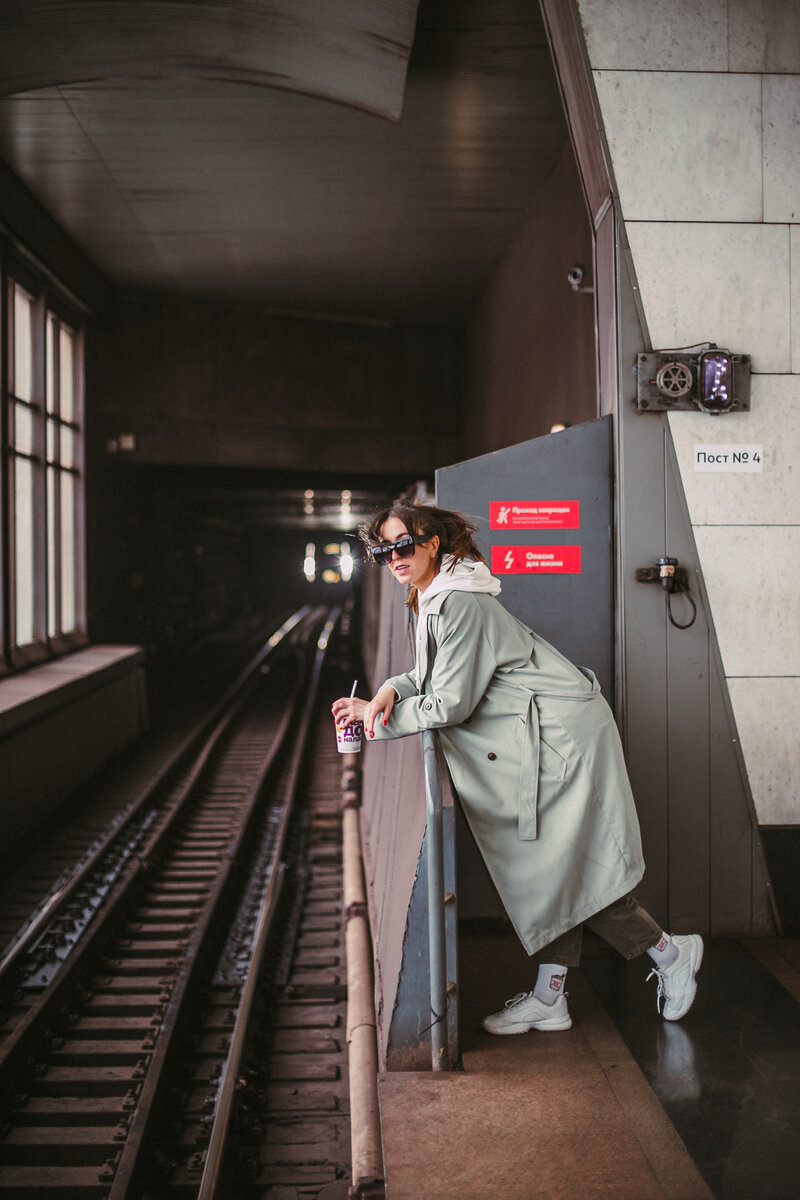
535 757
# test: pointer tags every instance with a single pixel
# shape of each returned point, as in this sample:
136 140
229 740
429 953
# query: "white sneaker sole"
695 963
548 1025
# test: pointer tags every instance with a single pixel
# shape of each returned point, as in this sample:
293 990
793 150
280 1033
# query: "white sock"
550 982
665 952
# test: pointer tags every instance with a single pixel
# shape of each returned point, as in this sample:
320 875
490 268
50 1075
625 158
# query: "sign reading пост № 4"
727 457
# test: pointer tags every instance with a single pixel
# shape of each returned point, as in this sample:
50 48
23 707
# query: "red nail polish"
371 734
384 720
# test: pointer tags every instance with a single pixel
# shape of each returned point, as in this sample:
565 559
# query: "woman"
536 760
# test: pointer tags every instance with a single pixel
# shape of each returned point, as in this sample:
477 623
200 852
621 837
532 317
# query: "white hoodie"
465 576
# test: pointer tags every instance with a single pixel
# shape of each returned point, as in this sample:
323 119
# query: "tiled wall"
701 110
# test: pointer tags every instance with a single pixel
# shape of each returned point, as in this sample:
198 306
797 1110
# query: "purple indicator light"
716 381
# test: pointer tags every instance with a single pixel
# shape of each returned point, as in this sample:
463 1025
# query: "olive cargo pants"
625 925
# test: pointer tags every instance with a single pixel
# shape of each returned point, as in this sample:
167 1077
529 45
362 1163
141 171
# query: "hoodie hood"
466 576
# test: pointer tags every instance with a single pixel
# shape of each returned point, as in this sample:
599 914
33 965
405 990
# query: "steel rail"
125 1169
23 1039
58 899
18 1041
215 1158
129 1165
132 1164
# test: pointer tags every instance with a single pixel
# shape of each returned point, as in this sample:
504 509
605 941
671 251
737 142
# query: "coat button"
427 706
491 756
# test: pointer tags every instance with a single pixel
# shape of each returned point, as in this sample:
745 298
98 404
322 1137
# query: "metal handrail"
436 915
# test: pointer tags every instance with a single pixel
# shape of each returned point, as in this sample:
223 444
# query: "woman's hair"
453 530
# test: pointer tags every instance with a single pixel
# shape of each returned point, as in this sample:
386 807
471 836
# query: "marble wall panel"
771 497
676 35
764 35
795 310
767 715
751 574
685 146
781 102
683 101
726 283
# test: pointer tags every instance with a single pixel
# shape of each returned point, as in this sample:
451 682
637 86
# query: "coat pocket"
550 761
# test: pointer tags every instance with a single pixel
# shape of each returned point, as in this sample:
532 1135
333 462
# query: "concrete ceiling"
277 152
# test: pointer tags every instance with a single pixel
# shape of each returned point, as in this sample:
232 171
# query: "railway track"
128 1060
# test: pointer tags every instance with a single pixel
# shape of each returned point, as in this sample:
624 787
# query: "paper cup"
348 737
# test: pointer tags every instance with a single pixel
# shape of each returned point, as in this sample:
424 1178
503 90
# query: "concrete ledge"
60 723
32 694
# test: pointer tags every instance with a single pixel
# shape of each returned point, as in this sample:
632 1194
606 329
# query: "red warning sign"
534 514
536 560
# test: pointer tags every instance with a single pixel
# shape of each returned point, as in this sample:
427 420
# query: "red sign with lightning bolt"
536 560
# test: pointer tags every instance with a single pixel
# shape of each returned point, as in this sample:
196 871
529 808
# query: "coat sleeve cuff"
404 685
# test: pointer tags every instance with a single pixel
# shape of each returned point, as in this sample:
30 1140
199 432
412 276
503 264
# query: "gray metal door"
545 515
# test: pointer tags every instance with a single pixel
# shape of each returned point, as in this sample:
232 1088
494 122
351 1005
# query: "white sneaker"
526 1012
677 985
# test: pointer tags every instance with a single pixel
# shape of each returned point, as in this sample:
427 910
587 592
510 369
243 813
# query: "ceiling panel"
224 189
351 51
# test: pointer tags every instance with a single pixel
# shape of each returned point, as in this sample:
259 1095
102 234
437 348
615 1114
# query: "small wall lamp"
703 377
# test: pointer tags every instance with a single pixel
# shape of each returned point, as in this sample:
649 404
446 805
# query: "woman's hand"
348 709
381 706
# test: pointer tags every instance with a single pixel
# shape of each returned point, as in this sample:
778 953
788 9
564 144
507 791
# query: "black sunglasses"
404 547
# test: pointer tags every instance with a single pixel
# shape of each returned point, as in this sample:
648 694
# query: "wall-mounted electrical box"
706 378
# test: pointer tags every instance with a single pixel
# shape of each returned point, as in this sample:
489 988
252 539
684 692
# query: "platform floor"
632 1107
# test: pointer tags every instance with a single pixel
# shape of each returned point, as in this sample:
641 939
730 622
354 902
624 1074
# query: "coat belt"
528 788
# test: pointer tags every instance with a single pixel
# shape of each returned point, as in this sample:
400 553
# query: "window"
45 572
64 478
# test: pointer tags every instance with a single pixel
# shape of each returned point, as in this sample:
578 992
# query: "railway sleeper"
76 1052
301 1068
315 1176
128 949
53 1183
158 931
328 1152
51 1146
125 995
123 1026
308 1040
168 912
106 1080
74 1110
309 1016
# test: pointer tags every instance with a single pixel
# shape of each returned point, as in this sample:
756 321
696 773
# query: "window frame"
49 304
